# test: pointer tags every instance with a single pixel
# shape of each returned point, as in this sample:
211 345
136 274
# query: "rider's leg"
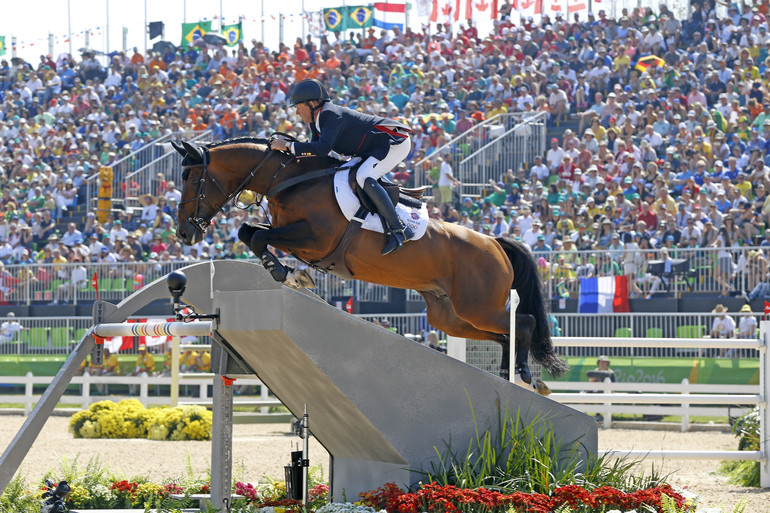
367 176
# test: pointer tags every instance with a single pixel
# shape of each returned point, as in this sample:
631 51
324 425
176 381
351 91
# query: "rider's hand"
279 144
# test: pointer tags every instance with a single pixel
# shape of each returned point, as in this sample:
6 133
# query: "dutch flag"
389 14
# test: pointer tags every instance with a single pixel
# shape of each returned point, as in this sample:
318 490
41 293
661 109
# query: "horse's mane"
237 140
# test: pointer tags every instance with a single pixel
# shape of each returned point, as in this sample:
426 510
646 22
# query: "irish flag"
604 295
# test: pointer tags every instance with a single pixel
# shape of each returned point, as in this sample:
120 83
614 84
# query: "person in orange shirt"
231 122
156 61
333 62
137 59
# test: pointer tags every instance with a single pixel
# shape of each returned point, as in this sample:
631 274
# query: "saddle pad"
416 219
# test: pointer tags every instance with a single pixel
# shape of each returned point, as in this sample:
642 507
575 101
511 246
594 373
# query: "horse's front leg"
257 238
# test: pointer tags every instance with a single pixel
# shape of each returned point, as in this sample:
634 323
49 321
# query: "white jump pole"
764 387
512 336
153 329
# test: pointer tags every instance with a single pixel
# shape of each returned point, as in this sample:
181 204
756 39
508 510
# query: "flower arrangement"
130 419
449 499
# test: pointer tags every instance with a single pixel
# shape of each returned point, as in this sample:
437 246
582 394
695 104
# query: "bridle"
200 222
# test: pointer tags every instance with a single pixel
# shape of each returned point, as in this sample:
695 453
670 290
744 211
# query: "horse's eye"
186 174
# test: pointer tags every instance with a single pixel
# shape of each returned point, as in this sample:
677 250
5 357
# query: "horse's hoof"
246 232
299 279
535 385
542 388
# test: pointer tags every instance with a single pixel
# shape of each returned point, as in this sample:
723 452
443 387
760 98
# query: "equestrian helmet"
309 89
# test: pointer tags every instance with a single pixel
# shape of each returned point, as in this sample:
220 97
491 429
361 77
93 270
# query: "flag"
334 19
155 29
193 31
604 295
233 34
650 60
349 306
424 7
2 45
442 10
463 10
359 17
389 14
530 8
767 307
95 284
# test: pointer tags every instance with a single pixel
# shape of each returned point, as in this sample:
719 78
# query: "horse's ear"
194 151
179 149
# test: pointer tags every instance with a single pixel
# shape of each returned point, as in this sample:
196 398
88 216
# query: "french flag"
389 14
607 294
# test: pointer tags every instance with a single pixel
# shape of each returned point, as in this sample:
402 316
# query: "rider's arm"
331 127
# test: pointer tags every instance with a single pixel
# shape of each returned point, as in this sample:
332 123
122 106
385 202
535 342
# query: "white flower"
346 507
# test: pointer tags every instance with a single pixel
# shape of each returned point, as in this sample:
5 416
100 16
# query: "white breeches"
373 168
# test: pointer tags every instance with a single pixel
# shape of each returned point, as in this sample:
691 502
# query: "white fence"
693 396
637 399
147 393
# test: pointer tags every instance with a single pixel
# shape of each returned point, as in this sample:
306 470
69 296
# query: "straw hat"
143 199
603 359
719 309
746 309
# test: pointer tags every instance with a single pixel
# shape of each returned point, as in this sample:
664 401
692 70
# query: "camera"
53 497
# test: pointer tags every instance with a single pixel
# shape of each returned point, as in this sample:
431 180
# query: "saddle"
411 198
334 262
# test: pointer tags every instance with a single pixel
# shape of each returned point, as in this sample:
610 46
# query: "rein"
197 219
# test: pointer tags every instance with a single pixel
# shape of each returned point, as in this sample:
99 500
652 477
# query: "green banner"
193 31
348 18
233 34
728 371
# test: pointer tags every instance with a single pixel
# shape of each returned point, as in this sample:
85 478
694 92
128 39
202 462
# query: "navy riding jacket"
352 133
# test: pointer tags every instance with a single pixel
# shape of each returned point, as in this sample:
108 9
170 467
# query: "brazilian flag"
2 45
233 34
359 17
193 31
335 19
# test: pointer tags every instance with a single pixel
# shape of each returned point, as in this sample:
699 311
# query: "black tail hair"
526 281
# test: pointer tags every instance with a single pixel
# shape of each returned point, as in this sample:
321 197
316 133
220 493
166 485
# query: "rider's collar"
318 115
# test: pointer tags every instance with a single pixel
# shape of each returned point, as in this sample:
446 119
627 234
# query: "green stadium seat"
624 333
654 333
693 331
38 337
60 336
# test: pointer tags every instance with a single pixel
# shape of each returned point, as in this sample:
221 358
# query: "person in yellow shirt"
144 366
203 362
187 361
109 367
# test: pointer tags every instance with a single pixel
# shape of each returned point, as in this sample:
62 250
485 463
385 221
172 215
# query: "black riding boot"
397 233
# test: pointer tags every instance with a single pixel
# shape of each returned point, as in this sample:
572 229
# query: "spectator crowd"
667 145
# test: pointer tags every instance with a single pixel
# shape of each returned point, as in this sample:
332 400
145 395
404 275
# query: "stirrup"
396 240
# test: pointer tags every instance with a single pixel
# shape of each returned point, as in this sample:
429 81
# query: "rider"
381 143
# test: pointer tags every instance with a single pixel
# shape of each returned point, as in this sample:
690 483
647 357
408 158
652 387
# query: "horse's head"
203 194
210 179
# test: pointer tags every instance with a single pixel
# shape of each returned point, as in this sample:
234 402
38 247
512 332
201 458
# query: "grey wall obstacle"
378 403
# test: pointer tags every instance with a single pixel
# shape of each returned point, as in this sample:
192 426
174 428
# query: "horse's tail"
526 281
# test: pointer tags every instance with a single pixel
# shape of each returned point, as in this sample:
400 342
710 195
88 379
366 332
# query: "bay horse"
465 277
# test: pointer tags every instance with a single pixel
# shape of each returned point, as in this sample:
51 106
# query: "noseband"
200 222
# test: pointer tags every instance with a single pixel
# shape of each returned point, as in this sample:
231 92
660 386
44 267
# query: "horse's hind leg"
441 315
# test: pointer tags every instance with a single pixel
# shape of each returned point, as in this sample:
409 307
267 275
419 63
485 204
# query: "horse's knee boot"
505 363
277 270
246 232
